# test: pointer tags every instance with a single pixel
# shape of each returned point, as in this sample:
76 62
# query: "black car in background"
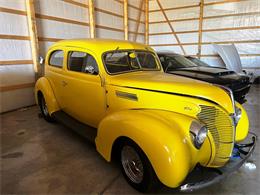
194 68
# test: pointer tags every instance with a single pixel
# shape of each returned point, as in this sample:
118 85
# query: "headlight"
238 113
198 133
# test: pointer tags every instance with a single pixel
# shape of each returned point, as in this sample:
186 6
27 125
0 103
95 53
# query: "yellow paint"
157 118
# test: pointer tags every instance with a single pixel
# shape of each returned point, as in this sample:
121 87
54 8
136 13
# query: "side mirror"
41 60
91 70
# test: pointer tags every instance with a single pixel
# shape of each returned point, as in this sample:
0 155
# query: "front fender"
43 85
242 127
165 141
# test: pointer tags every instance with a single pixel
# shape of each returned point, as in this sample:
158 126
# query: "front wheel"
44 109
137 169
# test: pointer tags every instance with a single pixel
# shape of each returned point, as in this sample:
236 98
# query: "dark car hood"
210 74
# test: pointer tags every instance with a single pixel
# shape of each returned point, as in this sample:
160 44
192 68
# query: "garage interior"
39 157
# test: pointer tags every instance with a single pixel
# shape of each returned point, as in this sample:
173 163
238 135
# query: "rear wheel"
137 169
44 109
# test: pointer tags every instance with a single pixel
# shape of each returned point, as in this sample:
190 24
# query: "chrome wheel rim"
132 164
44 107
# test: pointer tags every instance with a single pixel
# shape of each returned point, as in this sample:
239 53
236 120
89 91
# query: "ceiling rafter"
171 27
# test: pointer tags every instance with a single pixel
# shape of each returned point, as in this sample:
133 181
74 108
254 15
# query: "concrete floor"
39 157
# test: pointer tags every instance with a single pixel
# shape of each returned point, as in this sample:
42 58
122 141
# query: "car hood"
160 82
210 74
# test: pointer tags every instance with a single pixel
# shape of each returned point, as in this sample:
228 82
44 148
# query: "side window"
56 58
82 62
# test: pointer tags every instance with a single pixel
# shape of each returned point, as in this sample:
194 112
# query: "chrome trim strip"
125 95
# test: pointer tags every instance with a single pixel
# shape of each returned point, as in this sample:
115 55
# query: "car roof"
101 44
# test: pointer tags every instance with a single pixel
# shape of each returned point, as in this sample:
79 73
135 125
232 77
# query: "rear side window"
82 62
56 58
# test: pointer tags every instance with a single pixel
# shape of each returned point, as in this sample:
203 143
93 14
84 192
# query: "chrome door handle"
64 83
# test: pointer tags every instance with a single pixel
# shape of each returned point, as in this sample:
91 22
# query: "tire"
44 109
137 169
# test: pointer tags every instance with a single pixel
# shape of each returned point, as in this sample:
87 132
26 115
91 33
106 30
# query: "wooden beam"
15 87
126 19
13 11
200 27
171 27
146 22
33 36
138 18
129 5
15 62
14 37
92 28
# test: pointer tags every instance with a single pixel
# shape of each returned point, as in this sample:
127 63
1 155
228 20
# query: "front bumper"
202 177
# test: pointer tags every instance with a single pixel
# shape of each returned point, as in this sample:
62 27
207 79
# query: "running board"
84 130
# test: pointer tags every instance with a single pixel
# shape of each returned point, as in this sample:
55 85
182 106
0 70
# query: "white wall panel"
15 50
103 33
183 13
13 4
162 39
16 74
44 46
185 25
61 9
234 35
54 29
231 8
11 100
172 4
109 20
188 37
13 24
159 28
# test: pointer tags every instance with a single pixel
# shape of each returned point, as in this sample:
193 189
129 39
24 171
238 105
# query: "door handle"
64 83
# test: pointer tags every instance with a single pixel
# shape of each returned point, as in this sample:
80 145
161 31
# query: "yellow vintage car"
160 127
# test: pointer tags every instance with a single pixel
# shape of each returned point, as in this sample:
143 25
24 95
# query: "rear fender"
165 141
43 86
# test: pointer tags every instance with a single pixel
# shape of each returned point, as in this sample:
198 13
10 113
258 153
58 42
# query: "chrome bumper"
202 177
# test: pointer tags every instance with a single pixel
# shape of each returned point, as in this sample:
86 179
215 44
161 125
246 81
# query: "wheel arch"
43 88
163 146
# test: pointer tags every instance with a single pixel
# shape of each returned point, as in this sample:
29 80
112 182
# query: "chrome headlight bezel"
198 133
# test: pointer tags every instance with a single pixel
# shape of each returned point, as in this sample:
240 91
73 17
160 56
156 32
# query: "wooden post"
147 22
91 11
138 19
33 37
200 27
126 19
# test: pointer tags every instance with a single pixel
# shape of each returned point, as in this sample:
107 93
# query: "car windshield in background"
197 61
173 62
127 61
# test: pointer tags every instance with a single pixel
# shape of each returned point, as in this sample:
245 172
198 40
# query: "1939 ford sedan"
160 127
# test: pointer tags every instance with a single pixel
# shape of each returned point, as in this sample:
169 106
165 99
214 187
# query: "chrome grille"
220 126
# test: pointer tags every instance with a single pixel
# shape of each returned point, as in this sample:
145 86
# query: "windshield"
127 61
197 61
173 62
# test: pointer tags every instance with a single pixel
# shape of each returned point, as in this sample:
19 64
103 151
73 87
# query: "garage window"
82 62
56 58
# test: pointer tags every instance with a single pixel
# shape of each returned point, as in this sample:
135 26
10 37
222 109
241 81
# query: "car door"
55 72
84 97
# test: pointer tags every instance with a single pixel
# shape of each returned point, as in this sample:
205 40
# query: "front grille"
220 126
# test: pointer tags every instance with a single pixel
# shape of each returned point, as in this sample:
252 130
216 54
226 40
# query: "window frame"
85 73
49 60
135 50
